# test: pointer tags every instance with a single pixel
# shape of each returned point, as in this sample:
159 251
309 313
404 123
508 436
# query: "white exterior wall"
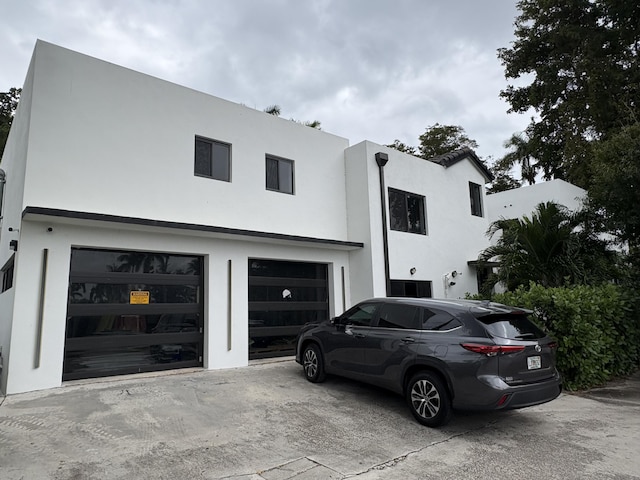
13 163
127 148
216 252
522 201
93 137
454 236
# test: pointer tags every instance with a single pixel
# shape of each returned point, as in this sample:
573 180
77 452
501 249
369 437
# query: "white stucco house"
147 226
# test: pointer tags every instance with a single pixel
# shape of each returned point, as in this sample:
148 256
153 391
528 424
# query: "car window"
360 314
438 320
399 316
514 327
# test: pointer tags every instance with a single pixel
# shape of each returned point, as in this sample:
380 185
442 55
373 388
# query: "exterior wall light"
413 270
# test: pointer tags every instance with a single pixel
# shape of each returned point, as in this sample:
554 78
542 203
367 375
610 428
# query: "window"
407 212
399 316
279 174
7 275
438 320
410 288
213 159
475 192
360 315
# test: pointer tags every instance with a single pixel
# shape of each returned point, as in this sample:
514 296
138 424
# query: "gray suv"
440 354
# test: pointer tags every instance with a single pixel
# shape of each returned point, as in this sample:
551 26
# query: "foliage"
401 147
582 57
440 139
275 110
521 155
502 180
8 104
615 188
553 247
597 328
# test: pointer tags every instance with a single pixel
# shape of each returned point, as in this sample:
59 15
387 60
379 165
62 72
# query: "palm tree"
553 248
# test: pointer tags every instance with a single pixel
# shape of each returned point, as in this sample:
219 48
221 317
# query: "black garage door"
283 296
131 312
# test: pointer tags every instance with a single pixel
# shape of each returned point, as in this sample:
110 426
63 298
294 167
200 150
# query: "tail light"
492 350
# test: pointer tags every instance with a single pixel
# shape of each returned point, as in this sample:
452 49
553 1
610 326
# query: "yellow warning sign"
139 298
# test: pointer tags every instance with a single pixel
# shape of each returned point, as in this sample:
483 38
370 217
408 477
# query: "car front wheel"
428 399
312 363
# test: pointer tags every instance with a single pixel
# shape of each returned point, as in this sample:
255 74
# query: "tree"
520 155
8 105
583 57
553 247
440 139
615 188
401 147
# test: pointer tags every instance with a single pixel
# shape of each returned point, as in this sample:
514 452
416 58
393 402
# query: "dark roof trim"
101 217
479 263
450 158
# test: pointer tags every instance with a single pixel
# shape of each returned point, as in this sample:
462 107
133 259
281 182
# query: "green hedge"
597 328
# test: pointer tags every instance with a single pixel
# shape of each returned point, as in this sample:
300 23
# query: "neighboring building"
146 226
522 201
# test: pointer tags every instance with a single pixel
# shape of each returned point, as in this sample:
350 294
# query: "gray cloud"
367 69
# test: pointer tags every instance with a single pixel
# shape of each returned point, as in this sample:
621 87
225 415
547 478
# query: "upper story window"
7 274
213 159
279 174
475 193
407 212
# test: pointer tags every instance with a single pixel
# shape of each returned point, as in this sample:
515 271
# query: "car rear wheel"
428 399
312 363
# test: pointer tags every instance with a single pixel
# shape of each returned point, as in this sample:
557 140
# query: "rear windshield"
513 327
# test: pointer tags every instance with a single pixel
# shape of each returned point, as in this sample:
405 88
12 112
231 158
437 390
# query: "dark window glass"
406 212
410 288
279 174
399 316
120 293
110 332
475 193
118 324
438 320
514 327
213 159
87 260
7 274
359 315
283 296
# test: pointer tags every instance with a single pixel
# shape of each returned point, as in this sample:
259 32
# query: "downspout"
381 160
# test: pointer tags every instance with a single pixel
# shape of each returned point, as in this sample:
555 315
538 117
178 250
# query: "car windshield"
513 327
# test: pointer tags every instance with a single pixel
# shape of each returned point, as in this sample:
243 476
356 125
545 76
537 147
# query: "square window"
406 211
213 159
279 174
475 193
7 274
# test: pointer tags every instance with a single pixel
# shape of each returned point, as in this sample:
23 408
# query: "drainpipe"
381 160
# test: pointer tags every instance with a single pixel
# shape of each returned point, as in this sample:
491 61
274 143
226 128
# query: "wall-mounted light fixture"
413 270
13 245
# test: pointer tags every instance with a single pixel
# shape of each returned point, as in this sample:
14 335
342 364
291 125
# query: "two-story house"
147 226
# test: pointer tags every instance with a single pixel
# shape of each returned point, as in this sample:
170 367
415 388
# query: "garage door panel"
132 313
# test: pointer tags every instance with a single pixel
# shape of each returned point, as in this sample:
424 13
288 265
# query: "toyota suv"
439 354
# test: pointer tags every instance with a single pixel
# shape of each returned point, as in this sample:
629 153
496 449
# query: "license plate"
534 362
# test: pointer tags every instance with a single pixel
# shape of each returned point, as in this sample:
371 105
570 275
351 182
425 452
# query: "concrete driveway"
266 421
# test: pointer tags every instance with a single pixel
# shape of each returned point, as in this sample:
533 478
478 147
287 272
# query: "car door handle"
348 331
408 340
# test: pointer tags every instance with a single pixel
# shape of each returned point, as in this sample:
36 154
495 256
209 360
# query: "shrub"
597 328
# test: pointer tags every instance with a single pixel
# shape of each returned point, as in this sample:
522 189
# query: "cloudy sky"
378 70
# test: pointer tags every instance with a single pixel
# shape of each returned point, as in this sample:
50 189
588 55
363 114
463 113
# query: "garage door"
283 296
131 312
